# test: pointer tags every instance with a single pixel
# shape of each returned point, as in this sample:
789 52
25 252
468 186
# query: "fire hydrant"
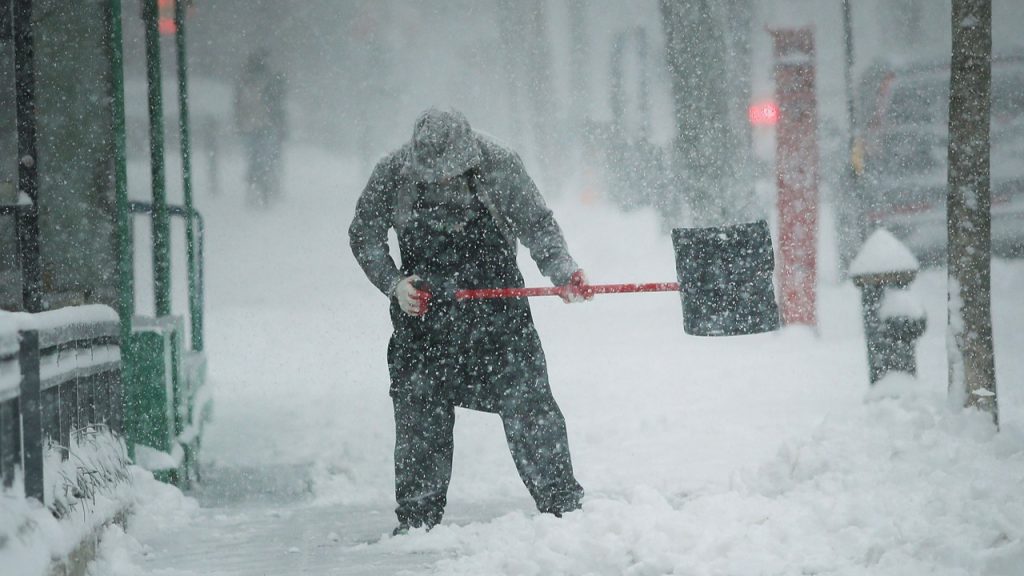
893 318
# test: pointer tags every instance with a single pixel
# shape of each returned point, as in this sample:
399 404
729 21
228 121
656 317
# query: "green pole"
125 260
161 220
195 305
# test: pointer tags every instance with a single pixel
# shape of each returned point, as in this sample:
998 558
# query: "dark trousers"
534 429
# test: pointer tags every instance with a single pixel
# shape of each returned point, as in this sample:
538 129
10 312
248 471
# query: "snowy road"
741 455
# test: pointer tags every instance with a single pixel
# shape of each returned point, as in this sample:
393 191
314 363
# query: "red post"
796 173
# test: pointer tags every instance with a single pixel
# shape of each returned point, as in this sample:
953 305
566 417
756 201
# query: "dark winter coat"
503 187
461 232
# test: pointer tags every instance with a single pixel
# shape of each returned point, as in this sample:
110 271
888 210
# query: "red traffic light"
165 15
763 113
165 23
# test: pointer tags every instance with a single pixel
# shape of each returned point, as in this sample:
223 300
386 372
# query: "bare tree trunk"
710 92
972 380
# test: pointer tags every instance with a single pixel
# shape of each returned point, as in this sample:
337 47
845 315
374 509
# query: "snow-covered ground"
761 454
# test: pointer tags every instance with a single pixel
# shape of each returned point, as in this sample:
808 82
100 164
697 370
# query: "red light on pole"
165 23
763 113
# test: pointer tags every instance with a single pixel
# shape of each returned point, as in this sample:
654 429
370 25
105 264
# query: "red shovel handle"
561 290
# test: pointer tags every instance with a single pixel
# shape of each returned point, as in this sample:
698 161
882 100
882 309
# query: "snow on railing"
60 375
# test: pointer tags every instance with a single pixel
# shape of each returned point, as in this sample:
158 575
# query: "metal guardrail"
60 372
196 275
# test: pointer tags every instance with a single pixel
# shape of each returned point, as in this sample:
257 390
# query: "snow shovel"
725 281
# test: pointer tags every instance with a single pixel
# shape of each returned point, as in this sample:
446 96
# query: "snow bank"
157 507
27 534
30 536
83 492
152 459
900 486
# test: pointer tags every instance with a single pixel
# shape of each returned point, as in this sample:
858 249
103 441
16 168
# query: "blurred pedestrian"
459 204
260 121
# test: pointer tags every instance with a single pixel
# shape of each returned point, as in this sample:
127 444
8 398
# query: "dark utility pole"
27 220
971 360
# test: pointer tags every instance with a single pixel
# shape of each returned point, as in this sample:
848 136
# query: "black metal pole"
27 220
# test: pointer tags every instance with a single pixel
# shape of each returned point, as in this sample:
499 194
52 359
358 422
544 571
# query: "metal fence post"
31 415
10 441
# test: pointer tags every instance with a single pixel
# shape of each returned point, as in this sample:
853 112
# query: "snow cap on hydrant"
443 145
883 253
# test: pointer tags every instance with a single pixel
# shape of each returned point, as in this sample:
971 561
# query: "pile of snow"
31 538
83 492
156 507
902 485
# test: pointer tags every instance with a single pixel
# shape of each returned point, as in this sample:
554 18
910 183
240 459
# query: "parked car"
901 155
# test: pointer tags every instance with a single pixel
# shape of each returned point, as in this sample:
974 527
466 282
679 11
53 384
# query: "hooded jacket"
502 185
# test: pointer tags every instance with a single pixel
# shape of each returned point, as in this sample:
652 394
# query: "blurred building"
75 157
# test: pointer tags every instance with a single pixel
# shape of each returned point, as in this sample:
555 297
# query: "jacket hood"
443 145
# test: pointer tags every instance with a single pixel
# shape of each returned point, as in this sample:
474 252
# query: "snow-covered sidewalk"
762 454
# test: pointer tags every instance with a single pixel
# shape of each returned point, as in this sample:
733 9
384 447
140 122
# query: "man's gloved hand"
578 289
411 300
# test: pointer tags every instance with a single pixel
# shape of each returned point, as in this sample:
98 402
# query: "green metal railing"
159 209
164 377
196 265
163 407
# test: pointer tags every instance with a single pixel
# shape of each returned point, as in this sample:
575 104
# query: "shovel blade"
725 279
